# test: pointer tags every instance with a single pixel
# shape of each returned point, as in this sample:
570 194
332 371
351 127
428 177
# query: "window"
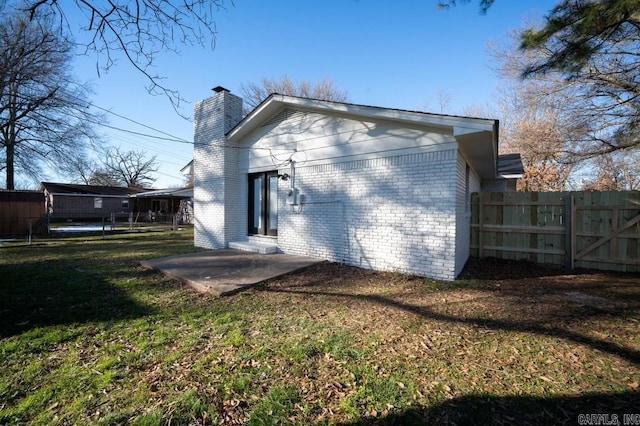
125 204
263 203
97 203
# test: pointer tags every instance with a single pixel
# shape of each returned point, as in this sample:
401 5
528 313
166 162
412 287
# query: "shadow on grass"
492 268
48 293
495 324
522 410
512 296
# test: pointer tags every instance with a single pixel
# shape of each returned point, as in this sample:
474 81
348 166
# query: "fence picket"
598 230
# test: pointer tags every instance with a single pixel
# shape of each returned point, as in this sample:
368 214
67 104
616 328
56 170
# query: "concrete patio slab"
223 272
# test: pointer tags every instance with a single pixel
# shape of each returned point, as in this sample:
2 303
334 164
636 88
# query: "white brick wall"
394 213
216 180
393 199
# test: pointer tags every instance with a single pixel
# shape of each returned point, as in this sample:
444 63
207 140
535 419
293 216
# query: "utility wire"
132 132
171 138
150 146
174 138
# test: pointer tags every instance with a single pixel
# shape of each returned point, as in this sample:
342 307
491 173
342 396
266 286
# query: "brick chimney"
216 181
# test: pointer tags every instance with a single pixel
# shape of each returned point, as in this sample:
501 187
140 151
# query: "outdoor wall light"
284 177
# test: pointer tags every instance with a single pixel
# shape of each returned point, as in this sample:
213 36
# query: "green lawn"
87 336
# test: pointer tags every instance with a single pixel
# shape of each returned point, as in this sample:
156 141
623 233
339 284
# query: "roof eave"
275 102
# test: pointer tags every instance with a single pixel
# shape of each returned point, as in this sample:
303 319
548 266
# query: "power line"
149 146
174 138
132 132
171 176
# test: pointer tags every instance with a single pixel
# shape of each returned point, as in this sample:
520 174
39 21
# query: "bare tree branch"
129 168
138 31
41 117
254 93
447 4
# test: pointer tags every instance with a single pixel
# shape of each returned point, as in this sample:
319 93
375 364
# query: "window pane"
257 203
273 202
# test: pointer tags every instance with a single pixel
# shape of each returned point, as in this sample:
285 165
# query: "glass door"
263 203
272 204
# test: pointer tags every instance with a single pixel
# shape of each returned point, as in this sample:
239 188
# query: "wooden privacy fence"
595 230
19 210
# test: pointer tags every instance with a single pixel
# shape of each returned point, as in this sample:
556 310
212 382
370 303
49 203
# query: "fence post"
572 232
568 231
30 230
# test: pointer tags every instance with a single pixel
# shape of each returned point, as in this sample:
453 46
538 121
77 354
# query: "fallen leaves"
334 344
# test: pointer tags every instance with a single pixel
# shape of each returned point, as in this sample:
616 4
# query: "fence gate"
605 230
596 230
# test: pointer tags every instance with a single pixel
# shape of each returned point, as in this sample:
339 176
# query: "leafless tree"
80 170
102 178
595 110
114 168
129 168
254 93
533 121
443 98
86 171
615 172
136 31
43 112
594 47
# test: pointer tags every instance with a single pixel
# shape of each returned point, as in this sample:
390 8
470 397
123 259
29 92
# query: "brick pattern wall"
215 171
405 213
395 213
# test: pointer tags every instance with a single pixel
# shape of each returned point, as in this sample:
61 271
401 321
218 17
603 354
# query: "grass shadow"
48 293
553 316
523 410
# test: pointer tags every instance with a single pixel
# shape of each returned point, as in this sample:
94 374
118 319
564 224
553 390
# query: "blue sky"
390 54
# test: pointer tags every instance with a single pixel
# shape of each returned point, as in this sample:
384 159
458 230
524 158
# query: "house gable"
323 130
314 138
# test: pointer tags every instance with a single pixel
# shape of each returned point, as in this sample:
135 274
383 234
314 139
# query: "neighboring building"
162 204
66 202
378 188
187 171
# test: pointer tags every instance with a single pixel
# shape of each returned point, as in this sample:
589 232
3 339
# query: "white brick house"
373 187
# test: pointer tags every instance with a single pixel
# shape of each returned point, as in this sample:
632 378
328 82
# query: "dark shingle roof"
510 164
69 188
170 192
